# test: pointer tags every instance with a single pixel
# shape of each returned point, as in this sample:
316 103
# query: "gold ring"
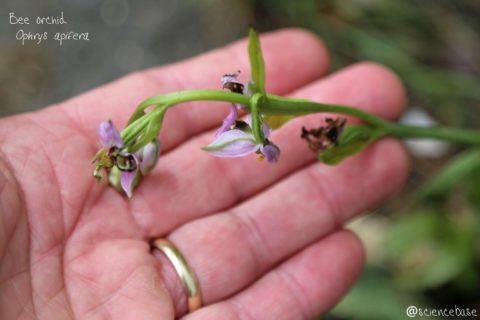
184 271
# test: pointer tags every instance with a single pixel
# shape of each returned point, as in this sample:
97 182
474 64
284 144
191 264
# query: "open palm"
265 241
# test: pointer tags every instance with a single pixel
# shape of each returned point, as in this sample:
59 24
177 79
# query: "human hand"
265 241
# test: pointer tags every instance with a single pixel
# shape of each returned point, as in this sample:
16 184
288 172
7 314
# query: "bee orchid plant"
129 155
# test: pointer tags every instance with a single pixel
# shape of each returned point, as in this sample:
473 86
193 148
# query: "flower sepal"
240 141
115 178
232 143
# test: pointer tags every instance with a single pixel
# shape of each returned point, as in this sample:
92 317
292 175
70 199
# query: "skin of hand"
265 241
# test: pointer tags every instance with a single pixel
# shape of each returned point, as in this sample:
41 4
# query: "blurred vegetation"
423 247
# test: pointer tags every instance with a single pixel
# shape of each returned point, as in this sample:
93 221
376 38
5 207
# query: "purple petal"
148 156
127 178
271 152
229 121
109 135
232 143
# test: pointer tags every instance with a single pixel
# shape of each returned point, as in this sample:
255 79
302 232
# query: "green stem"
277 104
272 104
463 136
136 127
163 102
196 95
280 105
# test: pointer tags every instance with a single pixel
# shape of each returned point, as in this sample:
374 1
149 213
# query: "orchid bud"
148 156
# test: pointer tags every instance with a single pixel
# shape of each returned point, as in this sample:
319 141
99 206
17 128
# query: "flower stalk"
276 105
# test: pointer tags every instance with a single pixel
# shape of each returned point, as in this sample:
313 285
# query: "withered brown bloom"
323 137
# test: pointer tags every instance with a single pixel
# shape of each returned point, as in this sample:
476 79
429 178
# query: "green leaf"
257 64
256 119
373 297
473 189
150 132
140 111
137 114
354 139
429 248
275 121
451 175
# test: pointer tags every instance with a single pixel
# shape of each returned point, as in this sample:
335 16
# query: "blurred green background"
423 246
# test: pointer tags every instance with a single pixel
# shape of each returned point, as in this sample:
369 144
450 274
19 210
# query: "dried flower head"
323 137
